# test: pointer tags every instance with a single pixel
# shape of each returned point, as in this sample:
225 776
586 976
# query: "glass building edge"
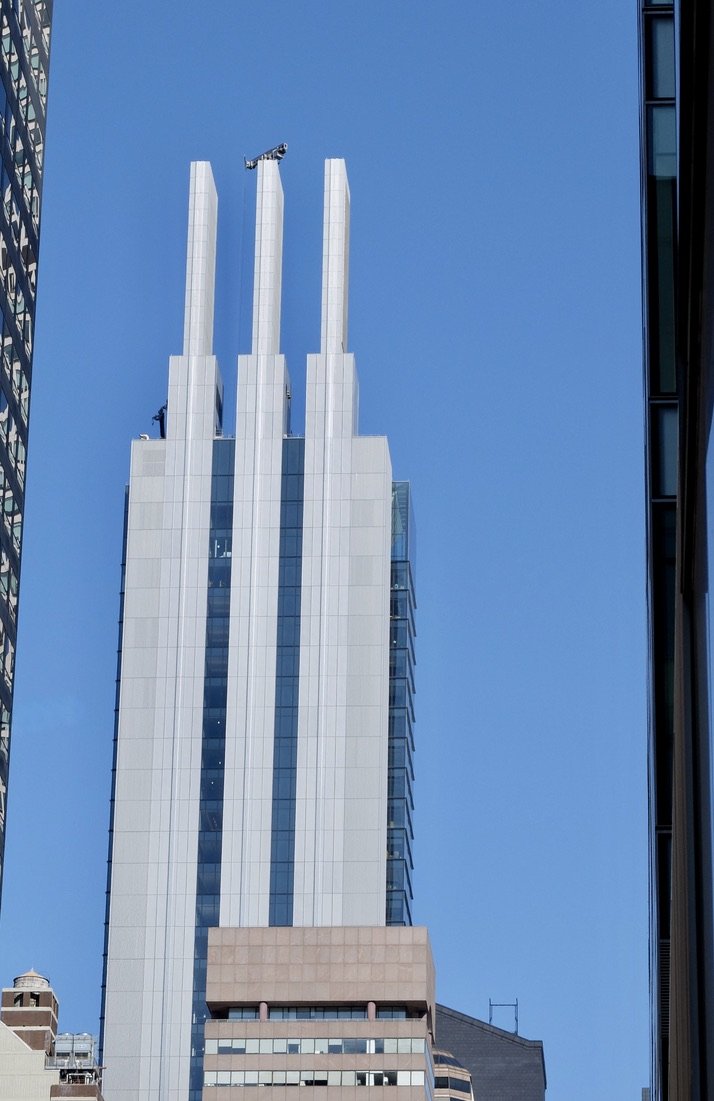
400 799
653 389
112 797
658 1009
287 681
692 1018
24 72
210 811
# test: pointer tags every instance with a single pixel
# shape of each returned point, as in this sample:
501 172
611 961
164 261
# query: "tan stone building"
338 1008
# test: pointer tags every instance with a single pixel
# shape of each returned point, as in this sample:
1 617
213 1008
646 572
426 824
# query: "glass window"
353 1046
661 221
662 142
664 473
660 59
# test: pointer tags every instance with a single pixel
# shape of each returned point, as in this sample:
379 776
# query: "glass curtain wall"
659 205
24 69
400 804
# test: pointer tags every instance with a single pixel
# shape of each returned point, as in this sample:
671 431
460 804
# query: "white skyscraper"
264 733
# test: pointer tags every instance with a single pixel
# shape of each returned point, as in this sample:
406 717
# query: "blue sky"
495 316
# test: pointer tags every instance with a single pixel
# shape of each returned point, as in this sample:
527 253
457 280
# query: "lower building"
336 1007
452 1081
503 1066
23 1072
35 1063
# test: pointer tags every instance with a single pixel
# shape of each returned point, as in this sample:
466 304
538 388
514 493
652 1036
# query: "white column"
340 844
335 258
263 385
200 262
153 889
267 278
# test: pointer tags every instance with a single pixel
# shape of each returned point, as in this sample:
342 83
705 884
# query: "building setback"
24 68
264 734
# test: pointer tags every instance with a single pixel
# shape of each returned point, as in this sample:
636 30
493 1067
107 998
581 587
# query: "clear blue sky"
495 315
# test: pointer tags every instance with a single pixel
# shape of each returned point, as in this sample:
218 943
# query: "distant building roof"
503 1065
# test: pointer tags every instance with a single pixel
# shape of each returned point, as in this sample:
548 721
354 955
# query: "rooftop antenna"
160 418
275 154
503 1005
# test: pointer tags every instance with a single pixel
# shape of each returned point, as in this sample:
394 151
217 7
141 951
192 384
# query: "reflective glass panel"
661 79
662 143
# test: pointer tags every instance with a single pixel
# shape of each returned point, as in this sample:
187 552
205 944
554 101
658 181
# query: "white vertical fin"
267 282
200 262
335 258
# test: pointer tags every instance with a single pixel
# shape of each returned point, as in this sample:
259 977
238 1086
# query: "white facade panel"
149 974
344 658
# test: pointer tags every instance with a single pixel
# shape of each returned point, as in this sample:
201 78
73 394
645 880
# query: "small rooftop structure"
31 980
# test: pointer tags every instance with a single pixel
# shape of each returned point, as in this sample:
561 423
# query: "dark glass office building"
24 67
677 95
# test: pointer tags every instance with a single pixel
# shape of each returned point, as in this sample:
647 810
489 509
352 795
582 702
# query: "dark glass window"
287 671
208 872
317 1012
662 143
664 451
663 590
660 58
661 222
